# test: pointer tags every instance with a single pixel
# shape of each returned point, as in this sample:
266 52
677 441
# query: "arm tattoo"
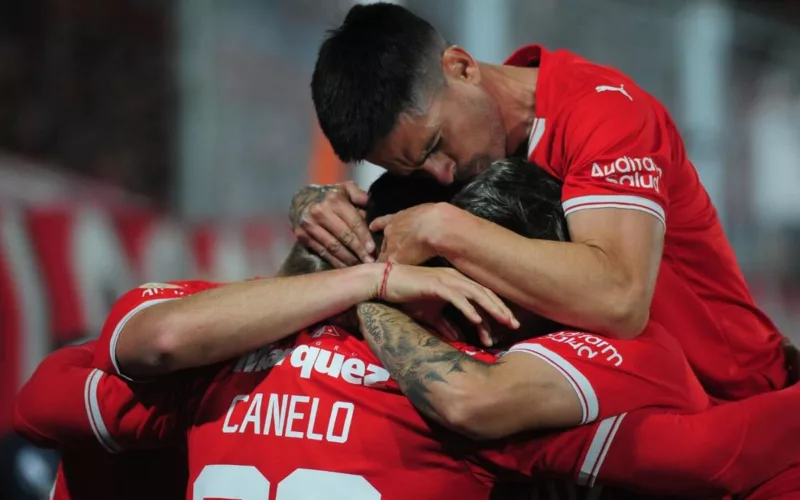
305 198
418 361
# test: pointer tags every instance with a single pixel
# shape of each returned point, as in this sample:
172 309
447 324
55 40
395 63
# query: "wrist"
369 278
440 235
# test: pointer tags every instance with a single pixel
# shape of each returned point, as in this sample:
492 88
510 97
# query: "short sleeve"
612 376
130 304
71 405
619 153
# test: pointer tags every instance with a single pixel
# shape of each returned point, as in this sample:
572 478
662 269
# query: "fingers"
361 242
357 195
344 222
321 241
380 223
485 334
310 243
446 329
496 309
511 320
463 304
338 226
486 299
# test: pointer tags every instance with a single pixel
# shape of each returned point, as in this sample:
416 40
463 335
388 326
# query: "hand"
427 285
408 234
327 220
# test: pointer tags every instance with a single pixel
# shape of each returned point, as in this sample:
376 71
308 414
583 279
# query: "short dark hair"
390 194
524 199
301 260
518 196
382 61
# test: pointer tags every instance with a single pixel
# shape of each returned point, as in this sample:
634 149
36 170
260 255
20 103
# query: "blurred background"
149 140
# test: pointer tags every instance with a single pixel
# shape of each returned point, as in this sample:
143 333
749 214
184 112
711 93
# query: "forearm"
232 320
571 283
438 379
50 410
725 450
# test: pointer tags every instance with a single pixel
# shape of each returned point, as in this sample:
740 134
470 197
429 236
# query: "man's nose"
443 172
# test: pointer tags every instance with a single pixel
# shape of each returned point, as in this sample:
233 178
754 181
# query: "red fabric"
614 145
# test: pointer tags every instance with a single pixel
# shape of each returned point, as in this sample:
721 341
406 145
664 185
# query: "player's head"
514 194
524 199
388 88
390 194
301 260
518 196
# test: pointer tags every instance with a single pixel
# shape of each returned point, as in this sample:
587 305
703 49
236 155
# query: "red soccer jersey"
339 423
708 453
90 473
615 146
318 411
318 416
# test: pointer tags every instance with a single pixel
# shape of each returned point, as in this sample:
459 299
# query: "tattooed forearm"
422 365
305 198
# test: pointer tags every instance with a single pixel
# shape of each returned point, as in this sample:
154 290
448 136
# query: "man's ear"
459 65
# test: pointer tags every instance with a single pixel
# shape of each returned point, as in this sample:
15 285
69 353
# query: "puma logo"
609 88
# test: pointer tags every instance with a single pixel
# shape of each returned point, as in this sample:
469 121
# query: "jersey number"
245 482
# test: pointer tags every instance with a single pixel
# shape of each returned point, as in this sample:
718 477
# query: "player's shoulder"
584 344
590 91
159 291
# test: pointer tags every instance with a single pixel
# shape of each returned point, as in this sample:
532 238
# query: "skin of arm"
225 322
480 400
602 281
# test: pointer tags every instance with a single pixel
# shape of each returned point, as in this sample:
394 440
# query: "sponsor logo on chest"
313 361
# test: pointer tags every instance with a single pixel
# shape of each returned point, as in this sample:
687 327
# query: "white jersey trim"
121 325
95 416
537 132
590 407
598 449
625 202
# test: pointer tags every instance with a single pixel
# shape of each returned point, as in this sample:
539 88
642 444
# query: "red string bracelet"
386 271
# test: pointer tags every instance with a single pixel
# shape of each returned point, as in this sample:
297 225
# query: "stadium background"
149 140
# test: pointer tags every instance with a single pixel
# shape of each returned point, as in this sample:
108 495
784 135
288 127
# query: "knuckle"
316 210
346 237
334 246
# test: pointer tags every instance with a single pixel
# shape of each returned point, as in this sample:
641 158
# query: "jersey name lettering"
288 415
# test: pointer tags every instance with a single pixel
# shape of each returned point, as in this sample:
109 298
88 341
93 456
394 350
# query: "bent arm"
70 405
725 450
228 321
602 281
478 399
49 408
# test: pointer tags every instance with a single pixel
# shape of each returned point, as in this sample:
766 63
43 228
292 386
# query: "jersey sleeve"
724 450
611 376
69 404
618 154
721 451
128 306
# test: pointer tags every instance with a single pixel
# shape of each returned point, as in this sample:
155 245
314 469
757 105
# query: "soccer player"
490 400
389 89
569 455
318 416
253 311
